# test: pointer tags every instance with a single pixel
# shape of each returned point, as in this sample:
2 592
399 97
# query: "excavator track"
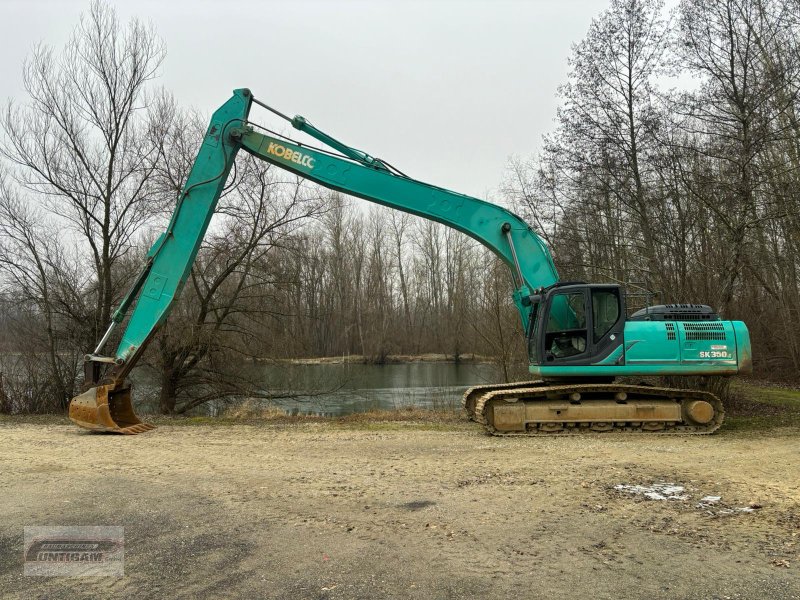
541 408
472 394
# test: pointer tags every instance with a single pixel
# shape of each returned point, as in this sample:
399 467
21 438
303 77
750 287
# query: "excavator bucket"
106 409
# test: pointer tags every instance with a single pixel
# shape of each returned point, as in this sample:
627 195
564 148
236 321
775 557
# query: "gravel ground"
405 510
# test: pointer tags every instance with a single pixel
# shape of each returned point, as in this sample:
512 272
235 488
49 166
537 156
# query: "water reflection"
341 389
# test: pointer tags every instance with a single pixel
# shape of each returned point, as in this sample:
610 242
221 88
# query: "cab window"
605 312
566 325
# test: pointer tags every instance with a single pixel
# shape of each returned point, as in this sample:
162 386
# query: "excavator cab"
575 323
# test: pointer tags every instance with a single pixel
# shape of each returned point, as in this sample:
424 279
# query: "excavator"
580 339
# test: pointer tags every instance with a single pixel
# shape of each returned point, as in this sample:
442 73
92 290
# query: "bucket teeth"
140 428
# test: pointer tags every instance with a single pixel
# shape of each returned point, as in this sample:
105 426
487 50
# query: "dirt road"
405 511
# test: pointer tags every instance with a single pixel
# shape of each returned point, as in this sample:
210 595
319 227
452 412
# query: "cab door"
566 330
579 325
608 320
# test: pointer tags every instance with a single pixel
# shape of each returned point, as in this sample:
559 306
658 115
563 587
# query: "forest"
672 167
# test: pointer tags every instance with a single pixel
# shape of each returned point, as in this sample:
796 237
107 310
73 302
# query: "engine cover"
675 312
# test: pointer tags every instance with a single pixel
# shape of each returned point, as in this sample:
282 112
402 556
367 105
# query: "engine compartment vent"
704 331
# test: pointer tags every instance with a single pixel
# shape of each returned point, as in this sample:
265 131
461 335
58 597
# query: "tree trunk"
167 398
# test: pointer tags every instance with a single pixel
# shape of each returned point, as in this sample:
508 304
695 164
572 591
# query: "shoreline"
391 359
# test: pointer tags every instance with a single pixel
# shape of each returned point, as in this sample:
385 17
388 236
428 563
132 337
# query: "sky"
446 91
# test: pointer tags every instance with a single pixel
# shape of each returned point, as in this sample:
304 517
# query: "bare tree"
399 223
720 41
710 171
608 120
80 142
42 286
204 350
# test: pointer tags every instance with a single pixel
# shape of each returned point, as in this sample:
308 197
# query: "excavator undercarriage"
542 408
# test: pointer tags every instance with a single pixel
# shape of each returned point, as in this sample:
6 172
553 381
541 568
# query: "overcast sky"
444 90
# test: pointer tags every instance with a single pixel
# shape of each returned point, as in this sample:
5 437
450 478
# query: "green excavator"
579 336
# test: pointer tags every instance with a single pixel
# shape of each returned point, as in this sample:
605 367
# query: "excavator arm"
106 404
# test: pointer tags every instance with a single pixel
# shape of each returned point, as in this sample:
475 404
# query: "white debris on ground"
710 499
655 491
672 491
731 511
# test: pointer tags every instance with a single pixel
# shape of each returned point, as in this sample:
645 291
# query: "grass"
759 406
374 420
752 406
410 418
48 419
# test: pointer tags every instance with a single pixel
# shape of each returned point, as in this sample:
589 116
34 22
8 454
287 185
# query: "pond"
341 389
